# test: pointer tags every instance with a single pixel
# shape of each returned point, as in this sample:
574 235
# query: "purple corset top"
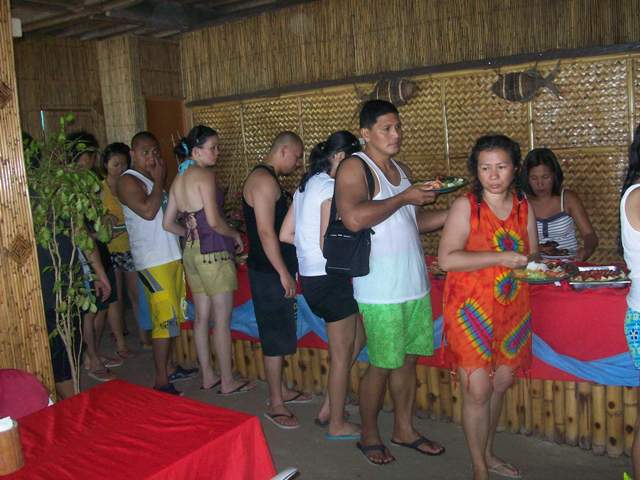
210 240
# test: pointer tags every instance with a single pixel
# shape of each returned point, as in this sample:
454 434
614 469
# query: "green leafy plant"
64 200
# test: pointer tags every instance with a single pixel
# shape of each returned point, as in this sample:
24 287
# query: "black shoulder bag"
347 252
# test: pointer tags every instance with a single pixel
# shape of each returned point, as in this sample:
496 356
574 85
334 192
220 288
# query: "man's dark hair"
373 109
144 135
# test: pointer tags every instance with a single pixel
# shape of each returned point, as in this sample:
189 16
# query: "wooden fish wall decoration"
523 86
395 90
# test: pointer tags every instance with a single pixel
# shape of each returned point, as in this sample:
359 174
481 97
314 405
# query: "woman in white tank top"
630 236
328 296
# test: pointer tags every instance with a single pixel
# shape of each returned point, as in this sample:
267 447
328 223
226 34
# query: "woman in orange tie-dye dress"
486 311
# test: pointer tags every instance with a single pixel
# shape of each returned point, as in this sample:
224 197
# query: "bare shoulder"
127 183
570 196
460 205
261 184
633 200
350 169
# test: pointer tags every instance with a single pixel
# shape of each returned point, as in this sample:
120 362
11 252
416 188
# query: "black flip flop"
374 448
202 387
421 440
239 389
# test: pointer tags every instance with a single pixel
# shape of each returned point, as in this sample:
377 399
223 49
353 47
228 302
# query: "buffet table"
581 388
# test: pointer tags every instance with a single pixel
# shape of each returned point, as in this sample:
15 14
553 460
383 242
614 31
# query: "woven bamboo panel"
231 167
594 108
23 334
263 120
423 124
328 111
596 177
159 68
635 90
473 110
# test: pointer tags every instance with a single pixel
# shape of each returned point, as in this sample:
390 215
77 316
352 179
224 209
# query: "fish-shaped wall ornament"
523 86
395 90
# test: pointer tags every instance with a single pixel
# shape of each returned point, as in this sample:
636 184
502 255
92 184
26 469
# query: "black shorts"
330 297
113 296
275 314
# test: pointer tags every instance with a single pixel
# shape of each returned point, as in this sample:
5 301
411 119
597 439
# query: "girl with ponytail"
329 296
630 236
209 253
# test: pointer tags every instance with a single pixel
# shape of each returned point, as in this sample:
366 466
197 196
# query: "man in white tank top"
394 297
156 253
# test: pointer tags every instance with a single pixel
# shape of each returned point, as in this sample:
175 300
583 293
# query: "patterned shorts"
396 330
632 332
123 261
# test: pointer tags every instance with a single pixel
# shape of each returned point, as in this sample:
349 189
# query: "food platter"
543 272
443 184
603 276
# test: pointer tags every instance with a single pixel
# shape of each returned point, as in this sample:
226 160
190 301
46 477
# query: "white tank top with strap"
631 244
397 267
151 245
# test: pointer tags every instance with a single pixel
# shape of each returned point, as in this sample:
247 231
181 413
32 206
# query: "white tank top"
397 271
151 245
631 244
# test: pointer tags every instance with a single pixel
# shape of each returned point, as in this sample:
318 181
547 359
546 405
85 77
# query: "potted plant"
64 200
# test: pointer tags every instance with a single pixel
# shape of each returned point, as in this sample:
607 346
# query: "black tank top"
258 260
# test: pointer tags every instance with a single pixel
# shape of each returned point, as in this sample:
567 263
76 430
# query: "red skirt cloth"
487 316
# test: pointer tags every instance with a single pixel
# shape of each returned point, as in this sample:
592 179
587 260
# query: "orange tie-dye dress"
487 316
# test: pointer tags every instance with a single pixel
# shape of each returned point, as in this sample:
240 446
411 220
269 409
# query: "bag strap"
370 186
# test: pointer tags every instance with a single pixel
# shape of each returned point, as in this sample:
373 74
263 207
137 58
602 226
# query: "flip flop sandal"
299 398
273 416
495 470
421 440
374 448
111 362
202 387
338 438
243 388
101 375
125 354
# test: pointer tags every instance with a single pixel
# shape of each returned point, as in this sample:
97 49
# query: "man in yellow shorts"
156 253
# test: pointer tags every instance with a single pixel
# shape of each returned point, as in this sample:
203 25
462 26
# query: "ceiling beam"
66 18
108 32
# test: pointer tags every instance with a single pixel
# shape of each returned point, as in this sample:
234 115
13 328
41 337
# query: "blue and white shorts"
632 332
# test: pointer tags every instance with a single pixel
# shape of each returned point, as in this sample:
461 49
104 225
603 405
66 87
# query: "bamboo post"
526 420
288 371
513 420
548 410
305 367
298 383
433 383
259 358
599 432
238 350
584 415
558 412
314 354
456 400
630 399
249 360
445 394
615 421
537 408
502 421
571 413
422 388
354 380
324 368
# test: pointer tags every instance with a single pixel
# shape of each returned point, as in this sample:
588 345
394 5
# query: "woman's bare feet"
500 467
282 417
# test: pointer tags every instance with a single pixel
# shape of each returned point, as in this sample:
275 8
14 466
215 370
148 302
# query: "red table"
123 431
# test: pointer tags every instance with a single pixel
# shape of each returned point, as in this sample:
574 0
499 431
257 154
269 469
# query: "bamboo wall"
23 334
160 68
59 76
589 128
341 39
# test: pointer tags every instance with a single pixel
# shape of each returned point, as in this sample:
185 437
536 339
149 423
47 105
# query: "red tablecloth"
585 325
123 431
